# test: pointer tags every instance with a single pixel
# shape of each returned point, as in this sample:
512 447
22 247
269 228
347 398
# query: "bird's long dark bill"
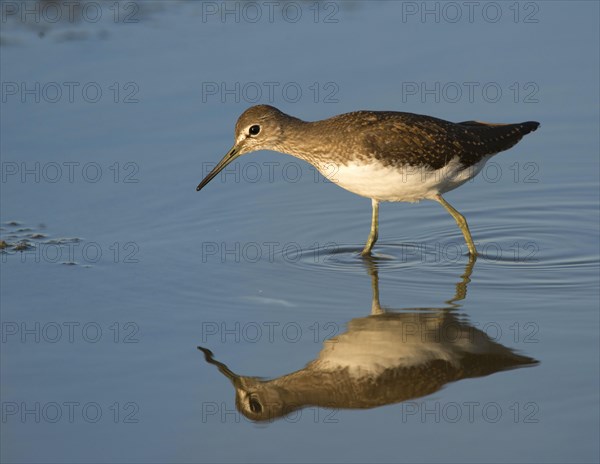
228 158
208 355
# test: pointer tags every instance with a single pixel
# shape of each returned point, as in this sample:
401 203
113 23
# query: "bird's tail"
494 138
525 127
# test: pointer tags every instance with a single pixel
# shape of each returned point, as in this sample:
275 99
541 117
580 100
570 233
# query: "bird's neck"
304 140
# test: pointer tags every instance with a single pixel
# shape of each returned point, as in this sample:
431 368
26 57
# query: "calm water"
124 270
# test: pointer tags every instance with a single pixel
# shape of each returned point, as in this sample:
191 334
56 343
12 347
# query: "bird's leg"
462 223
374 229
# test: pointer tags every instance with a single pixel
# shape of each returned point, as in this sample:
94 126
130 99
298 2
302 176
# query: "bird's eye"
255 405
254 130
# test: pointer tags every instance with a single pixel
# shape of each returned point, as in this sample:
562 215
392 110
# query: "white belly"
411 184
373 344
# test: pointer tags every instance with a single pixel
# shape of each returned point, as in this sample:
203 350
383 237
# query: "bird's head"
258 128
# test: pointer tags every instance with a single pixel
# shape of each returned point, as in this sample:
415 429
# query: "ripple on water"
515 258
347 258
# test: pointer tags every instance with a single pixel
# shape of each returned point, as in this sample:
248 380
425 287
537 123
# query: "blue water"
124 269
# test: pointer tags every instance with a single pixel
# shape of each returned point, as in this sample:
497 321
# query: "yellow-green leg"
462 223
374 229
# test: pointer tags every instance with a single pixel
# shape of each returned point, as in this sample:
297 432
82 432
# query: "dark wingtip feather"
531 126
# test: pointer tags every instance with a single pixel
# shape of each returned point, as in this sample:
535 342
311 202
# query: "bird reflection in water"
384 358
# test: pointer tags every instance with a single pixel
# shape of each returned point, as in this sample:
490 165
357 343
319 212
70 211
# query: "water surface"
124 270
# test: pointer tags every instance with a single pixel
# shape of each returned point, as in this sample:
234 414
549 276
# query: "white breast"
408 183
372 345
